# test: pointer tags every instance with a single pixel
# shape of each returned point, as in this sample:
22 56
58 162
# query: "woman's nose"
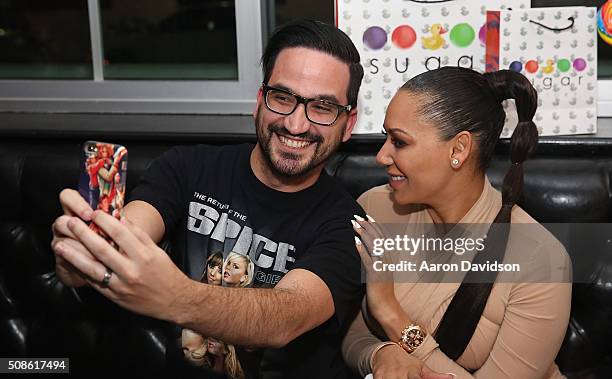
383 157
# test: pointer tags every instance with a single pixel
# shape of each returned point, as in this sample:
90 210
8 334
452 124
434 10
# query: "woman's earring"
455 162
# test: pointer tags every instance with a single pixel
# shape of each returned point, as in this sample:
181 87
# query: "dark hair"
457 99
213 260
318 36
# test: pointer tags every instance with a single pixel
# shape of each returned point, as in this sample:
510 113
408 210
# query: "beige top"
522 326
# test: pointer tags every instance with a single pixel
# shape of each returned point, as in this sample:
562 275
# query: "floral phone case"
103 177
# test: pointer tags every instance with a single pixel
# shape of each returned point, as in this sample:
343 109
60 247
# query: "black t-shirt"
211 202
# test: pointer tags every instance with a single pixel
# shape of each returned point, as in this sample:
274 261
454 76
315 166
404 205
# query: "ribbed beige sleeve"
358 346
530 336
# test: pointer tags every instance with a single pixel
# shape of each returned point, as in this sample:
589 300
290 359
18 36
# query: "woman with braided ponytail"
442 128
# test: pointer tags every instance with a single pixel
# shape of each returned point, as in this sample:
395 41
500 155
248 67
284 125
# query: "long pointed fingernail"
370 218
355 224
357 241
359 218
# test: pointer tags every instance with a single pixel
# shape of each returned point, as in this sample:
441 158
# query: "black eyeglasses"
318 111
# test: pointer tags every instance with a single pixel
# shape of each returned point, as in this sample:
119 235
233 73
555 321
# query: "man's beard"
280 162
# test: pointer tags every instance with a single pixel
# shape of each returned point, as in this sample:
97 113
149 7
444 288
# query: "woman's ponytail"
504 85
465 309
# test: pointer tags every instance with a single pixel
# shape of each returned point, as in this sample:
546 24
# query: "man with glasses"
319 111
271 203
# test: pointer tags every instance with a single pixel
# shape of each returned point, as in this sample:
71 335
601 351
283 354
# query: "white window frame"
144 96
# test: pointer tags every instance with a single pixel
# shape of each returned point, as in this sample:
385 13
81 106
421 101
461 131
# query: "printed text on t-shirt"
213 222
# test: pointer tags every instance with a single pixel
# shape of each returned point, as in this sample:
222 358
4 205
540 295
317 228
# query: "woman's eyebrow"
399 131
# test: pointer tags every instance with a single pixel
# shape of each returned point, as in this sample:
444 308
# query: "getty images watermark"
479 253
458 246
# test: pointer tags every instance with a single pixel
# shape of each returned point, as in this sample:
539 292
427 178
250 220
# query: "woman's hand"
393 362
380 292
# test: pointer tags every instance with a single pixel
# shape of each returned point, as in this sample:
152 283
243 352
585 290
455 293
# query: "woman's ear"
460 149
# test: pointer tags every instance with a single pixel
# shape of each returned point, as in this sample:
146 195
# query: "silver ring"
107 277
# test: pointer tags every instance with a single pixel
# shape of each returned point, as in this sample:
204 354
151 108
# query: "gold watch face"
415 337
412 337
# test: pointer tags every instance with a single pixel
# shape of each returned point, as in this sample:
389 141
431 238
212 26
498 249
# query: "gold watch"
411 338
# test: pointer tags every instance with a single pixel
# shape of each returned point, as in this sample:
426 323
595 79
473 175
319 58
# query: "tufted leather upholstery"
39 317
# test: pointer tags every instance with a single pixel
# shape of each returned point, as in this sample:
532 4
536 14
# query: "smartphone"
102 177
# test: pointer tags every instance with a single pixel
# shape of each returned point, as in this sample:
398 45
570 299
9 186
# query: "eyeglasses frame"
303 100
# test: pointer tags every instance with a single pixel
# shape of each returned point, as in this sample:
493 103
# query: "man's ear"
258 103
350 125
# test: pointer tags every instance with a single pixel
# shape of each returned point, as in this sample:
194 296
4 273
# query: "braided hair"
456 99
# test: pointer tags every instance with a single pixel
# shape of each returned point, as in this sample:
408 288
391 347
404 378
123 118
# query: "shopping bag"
556 49
399 39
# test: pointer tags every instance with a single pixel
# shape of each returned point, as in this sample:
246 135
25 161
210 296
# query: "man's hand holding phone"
102 184
74 206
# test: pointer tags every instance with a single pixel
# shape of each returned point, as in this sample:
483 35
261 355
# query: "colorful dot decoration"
580 64
462 35
516 66
563 65
532 66
404 37
375 37
482 34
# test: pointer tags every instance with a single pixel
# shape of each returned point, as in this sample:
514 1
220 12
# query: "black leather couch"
39 317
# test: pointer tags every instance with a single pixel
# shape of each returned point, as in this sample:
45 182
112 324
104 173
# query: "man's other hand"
73 205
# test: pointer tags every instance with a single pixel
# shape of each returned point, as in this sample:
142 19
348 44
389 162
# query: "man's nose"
297 123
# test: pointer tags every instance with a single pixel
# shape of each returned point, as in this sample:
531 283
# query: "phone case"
103 177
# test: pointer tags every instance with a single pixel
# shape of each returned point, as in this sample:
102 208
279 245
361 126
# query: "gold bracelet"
377 349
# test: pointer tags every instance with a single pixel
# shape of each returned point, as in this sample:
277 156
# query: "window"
140 56
165 39
282 11
44 40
